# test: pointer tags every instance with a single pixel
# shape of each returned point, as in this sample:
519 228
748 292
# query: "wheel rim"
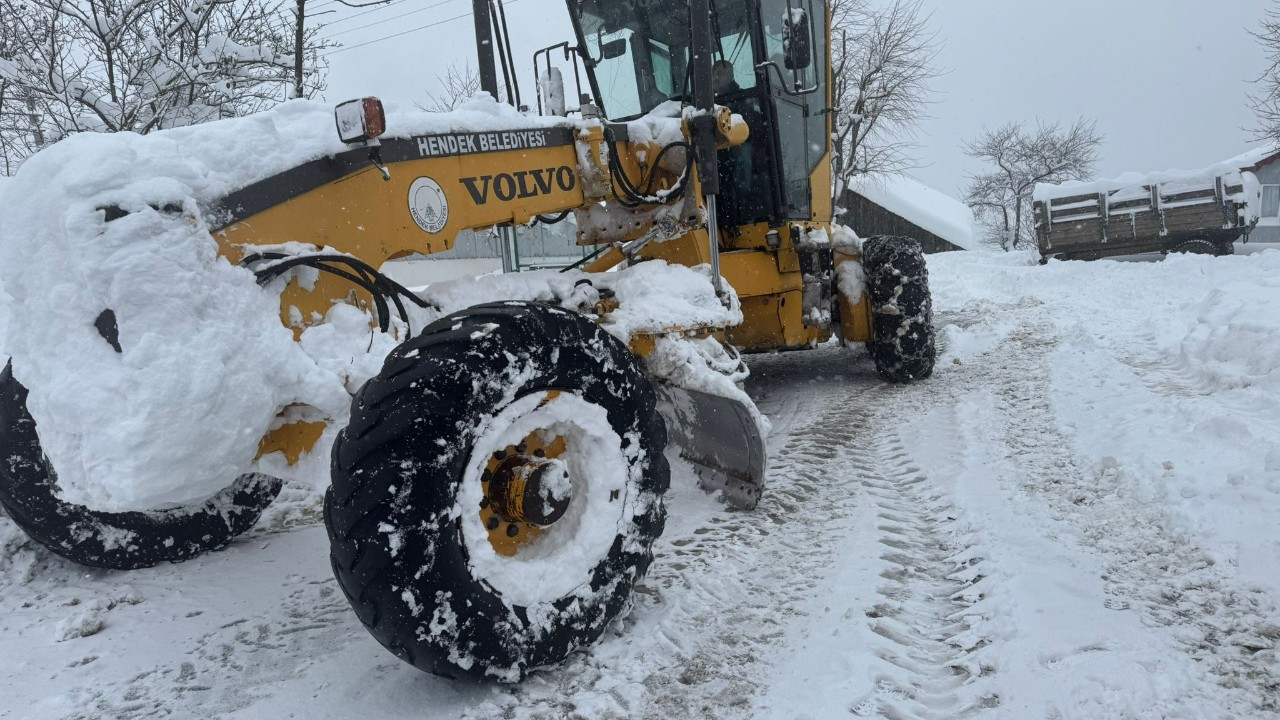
514 481
534 557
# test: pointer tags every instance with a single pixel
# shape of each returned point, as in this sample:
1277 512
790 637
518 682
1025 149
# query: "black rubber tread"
117 541
398 465
902 335
1197 246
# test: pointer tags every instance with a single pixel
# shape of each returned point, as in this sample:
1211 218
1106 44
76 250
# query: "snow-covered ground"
1074 518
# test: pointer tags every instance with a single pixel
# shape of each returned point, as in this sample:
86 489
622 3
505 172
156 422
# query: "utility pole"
298 34
484 47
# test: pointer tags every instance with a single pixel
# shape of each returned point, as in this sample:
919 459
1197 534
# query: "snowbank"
934 211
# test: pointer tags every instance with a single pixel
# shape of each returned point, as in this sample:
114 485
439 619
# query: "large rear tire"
433 570
902 337
118 541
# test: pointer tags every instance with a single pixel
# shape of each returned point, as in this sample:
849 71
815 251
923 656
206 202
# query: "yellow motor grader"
498 487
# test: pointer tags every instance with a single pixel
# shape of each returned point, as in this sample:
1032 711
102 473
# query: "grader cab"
498 476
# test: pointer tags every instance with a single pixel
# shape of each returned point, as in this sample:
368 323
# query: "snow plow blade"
720 438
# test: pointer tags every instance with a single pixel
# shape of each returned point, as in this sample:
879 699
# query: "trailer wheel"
117 541
1196 246
902 335
498 491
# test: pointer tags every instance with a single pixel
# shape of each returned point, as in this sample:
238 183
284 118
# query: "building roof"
1255 158
921 205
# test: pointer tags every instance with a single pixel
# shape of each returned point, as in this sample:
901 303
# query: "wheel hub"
530 489
525 489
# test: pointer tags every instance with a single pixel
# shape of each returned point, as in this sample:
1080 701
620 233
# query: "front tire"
902 337
433 571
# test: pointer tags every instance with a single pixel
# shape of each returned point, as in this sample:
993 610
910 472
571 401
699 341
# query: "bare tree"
1001 197
140 65
19 131
882 62
1266 100
457 85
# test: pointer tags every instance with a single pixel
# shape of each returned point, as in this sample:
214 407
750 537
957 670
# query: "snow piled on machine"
205 362
654 298
103 229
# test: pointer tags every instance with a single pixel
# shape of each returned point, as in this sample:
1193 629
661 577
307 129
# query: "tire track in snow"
1233 632
929 594
231 667
714 602
1178 377
720 598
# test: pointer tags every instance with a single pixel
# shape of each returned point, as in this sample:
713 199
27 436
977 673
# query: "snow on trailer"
1203 212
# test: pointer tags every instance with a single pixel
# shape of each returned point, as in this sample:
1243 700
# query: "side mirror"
797 48
613 49
551 89
360 120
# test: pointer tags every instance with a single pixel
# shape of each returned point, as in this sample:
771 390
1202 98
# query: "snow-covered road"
1075 518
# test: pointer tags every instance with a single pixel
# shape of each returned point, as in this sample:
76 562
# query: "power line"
396 35
326 3
387 20
406 32
321 5
364 12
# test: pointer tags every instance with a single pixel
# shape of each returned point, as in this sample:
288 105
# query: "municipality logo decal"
428 205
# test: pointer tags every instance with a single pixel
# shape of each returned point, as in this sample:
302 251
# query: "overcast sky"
1166 80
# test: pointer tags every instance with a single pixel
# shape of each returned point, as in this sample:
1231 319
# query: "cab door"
800 120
